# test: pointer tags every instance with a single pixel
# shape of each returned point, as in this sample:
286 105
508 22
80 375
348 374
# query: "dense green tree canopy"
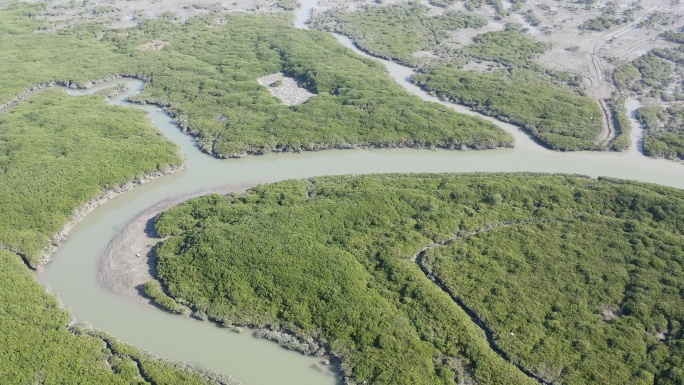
57 152
205 71
586 274
556 116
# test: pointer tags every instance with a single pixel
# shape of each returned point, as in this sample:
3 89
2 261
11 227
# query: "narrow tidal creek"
73 273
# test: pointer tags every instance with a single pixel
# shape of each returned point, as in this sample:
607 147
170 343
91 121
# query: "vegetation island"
488 278
424 279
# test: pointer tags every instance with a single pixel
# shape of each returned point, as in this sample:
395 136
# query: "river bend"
73 273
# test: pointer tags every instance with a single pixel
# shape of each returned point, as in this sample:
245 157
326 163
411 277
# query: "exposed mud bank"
57 239
129 260
288 339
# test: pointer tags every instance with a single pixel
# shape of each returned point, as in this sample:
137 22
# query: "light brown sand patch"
126 264
285 88
154 45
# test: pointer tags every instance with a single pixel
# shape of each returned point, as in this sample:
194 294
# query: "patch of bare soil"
425 54
664 335
126 13
154 45
593 55
610 313
285 88
128 261
463 37
483 66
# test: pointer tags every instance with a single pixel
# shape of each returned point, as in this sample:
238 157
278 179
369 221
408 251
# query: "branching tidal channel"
75 264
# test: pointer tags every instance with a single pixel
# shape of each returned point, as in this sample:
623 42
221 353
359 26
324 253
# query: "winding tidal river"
73 273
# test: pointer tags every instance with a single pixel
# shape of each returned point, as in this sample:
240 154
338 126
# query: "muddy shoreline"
101 198
80 213
285 338
206 145
120 270
128 262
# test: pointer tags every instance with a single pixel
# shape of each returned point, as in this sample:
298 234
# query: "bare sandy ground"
593 55
121 270
126 13
289 90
